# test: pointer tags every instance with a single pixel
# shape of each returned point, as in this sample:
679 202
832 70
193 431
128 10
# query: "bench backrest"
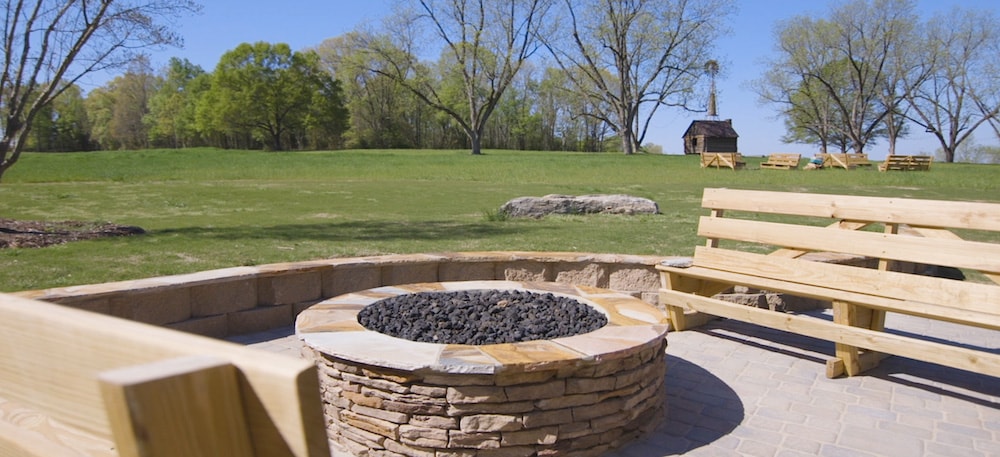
913 233
904 162
150 388
784 158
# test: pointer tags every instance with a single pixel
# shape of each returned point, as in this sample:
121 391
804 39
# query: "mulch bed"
37 234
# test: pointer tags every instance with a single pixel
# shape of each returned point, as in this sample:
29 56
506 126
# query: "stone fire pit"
579 395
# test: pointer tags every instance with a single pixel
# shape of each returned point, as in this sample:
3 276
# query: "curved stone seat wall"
235 301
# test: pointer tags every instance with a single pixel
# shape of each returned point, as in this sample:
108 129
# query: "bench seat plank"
942 354
946 313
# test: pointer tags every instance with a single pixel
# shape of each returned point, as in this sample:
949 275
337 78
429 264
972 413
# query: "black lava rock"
480 317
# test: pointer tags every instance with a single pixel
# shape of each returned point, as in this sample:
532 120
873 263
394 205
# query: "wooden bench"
906 163
914 234
782 161
846 161
77 383
722 159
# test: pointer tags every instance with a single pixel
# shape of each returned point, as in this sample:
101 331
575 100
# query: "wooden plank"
53 354
964 315
948 235
26 432
942 354
187 406
916 212
956 253
977 298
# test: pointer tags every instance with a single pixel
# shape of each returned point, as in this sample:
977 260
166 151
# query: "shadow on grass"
355 231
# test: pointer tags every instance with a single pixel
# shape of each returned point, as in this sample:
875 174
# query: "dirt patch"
37 234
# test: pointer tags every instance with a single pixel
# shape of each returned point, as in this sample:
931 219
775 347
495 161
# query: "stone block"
633 278
94 304
293 287
377 426
476 394
545 435
549 389
466 271
460 439
581 273
155 306
510 407
546 418
223 297
588 385
409 273
343 279
490 423
423 436
389 416
259 319
439 422
528 271
212 326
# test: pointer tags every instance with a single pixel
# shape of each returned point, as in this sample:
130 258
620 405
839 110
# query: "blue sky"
224 24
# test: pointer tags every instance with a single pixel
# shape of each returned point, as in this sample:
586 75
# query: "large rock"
583 204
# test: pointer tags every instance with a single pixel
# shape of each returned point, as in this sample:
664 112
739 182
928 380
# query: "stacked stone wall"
568 408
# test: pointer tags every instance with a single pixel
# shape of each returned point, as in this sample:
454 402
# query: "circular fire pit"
572 395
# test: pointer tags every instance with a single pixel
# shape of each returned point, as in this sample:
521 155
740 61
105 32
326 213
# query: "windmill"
712 69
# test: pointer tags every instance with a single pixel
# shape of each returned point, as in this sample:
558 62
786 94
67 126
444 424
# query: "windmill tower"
712 69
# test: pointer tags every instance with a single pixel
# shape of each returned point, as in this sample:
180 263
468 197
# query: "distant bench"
782 161
846 161
722 159
915 235
906 163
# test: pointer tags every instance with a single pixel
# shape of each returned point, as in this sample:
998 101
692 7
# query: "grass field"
206 208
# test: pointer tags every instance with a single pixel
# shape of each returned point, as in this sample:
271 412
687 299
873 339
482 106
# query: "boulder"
583 204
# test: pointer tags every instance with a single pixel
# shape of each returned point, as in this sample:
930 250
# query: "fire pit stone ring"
577 395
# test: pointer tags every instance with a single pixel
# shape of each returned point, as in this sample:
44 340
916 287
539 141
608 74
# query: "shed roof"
715 129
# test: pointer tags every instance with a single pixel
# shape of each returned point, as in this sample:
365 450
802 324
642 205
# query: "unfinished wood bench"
76 383
846 161
782 161
906 163
912 235
722 159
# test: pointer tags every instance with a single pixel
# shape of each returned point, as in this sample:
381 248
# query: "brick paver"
739 389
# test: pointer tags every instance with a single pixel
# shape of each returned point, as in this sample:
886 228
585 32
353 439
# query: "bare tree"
637 55
484 43
962 92
50 45
852 60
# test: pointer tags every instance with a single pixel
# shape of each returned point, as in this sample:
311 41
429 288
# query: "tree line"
872 70
520 74
512 74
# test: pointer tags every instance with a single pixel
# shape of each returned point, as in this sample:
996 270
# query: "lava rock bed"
480 317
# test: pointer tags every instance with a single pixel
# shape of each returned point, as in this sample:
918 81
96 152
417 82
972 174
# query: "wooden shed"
710 136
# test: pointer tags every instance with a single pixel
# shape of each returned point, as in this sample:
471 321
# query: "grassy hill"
207 208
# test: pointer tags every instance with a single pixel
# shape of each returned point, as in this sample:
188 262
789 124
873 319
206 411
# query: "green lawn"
206 208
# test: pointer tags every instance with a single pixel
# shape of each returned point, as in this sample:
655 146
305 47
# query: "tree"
962 91
269 92
132 92
171 117
62 125
49 45
485 43
383 113
635 56
852 61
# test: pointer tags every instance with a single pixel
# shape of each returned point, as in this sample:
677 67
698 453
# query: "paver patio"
738 389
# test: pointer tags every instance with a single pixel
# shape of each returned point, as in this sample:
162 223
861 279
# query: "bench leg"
681 318
852 360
